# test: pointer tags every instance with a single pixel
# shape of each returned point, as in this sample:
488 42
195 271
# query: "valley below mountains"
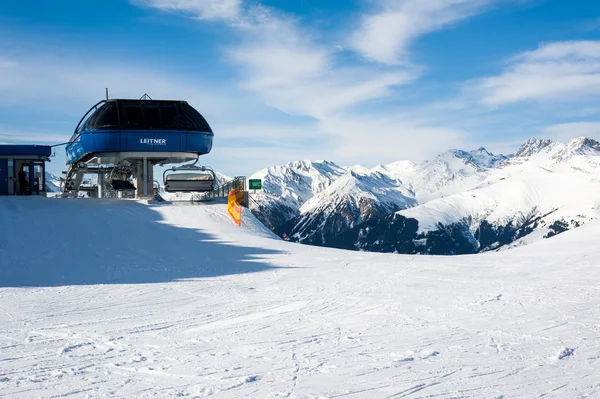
461 202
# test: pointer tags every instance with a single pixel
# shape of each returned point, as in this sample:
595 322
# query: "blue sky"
355 82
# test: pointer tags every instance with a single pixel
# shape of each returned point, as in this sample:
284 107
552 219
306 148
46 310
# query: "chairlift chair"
193 179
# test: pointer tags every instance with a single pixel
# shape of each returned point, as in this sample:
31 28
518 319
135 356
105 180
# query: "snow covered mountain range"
459 202
53 183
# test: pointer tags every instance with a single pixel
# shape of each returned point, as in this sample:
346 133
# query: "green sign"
255 184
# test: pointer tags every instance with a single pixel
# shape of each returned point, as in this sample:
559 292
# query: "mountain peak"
482 151
483 157
479 158
533 146
304 164
456 153
582 144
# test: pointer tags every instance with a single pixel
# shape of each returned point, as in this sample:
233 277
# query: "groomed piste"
177 301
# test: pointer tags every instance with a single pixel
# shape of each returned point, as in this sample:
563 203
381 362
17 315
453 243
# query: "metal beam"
145 177
153 157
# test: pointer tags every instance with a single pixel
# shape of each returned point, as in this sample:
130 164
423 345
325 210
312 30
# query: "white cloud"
201 9
294 69
563 132
325 95
346 140
20 137
7 64
273 64
379 139
296 72
385 36
563 71
556 51
284 64
44 81
59 91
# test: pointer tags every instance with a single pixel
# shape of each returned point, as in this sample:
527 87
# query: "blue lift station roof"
26 150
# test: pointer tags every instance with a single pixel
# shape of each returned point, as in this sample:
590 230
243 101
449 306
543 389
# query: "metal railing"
252 203
223 190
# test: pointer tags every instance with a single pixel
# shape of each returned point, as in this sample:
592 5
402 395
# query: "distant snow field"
108 298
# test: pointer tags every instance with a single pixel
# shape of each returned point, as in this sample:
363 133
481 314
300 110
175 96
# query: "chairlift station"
120 140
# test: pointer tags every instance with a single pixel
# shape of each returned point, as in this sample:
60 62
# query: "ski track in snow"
316 323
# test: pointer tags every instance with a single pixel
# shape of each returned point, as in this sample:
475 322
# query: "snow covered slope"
122 299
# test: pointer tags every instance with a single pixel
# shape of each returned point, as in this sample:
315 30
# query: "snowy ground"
123 299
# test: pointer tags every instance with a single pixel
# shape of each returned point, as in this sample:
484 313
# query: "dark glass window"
193 119
108 117
84 122
190 122
131 116
145 115
152 118
91 121
170 118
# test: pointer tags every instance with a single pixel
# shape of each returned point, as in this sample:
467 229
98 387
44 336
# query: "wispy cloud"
5 64
201 9
42 79
291 67
294 69
385 138
20 137
385 36
294 89
565 71
564 132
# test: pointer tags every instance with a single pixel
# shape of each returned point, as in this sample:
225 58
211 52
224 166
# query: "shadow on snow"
46 243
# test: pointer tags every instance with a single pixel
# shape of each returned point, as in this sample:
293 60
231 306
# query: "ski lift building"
23 169
138 134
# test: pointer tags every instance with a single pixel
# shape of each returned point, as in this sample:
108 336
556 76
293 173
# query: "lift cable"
61 144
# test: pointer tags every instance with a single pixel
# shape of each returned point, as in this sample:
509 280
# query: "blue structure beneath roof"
108 141
140 126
